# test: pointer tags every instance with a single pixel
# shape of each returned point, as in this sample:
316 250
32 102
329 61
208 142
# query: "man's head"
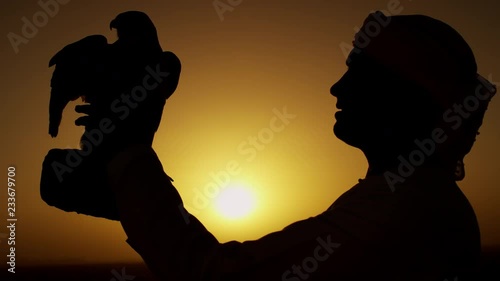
403 74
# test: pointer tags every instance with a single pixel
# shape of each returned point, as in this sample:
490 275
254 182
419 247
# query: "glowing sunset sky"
240 72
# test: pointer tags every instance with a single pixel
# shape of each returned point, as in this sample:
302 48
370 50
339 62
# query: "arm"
176 246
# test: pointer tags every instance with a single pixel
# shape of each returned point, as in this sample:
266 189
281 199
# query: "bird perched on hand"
135 56
125 85
100 73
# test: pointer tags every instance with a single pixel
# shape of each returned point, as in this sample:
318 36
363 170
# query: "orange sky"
263 56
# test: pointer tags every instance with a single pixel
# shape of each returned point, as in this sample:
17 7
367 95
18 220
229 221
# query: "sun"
235 202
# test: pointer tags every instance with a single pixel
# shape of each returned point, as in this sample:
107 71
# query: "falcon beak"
113 24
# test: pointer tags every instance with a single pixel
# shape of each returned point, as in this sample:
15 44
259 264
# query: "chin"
347 134
341 132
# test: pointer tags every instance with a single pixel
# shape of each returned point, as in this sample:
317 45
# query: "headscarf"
435 56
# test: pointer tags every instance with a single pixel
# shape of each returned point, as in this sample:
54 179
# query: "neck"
379 163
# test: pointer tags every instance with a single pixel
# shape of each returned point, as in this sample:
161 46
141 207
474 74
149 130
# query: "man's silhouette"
412 101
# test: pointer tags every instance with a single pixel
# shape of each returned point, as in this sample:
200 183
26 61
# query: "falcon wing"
76 69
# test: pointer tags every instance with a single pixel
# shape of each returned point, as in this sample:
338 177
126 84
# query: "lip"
338 114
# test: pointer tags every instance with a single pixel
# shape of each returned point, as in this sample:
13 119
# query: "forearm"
171 242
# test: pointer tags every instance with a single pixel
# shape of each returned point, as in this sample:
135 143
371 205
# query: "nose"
333 89
339 86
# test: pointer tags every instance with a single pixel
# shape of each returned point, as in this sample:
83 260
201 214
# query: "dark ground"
87 272
139 272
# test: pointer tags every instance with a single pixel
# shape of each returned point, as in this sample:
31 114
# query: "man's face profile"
377 107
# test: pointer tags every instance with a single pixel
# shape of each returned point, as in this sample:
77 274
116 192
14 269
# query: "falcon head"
135 28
